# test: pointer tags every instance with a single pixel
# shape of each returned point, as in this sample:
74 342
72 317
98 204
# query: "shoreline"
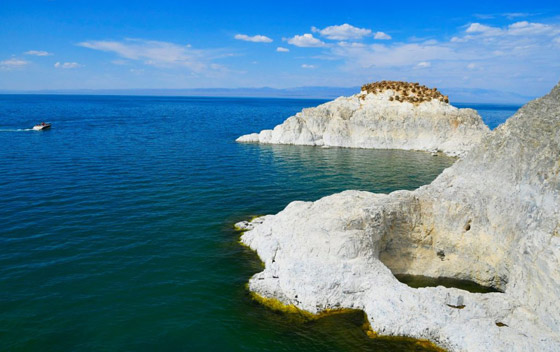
343 250
275 305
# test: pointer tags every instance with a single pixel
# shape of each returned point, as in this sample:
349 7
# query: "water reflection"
418 281
337 169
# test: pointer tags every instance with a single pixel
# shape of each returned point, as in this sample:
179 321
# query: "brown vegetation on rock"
413 93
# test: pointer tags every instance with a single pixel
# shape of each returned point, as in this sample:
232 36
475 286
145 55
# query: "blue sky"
504 45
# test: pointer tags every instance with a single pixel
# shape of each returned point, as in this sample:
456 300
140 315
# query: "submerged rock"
384 115
492 218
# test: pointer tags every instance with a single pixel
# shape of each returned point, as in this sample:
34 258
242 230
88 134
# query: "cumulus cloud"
342 32
158 53
13 63
254 39
382 36
482 29
522 28
37 53
67 65
527 28
520 39
513 56
282 49
308 66
305 41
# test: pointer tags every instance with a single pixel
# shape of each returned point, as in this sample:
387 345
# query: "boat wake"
16 130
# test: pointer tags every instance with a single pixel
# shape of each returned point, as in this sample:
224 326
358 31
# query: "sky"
511 46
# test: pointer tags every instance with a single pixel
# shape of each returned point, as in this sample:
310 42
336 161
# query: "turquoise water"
116 224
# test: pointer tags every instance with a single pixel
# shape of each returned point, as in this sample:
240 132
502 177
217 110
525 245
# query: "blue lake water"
116 225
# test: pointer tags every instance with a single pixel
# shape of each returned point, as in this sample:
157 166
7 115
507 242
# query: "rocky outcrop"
493 218
384 115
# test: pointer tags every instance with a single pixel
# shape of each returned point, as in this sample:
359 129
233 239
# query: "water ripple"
116 224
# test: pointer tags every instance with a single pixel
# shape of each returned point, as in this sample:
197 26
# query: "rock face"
493 218
420 119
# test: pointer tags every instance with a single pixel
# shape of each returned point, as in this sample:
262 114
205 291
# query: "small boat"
42 126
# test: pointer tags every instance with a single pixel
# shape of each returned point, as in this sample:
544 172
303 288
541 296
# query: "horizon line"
315 92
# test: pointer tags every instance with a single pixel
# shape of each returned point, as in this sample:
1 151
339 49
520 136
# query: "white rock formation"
369 120
493 218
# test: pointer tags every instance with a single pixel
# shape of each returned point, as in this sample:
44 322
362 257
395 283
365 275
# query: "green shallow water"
117 224
418 281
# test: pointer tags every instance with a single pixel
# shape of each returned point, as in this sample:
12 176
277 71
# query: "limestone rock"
250 224
374 119
493 218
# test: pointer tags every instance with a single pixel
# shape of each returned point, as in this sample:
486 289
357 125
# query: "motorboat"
42 126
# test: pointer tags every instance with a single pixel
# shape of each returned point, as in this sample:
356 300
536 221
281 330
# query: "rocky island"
492 218
384 115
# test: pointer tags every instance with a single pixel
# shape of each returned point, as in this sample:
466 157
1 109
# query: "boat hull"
41 127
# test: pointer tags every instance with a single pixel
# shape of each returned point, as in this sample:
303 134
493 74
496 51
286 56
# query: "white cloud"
521 28
508 15
308 66
254 39
511 57
305 41
282 49
483 29
527 28
342 32
159 54
381 36
512 15
351 45
13 63
37 53
67 65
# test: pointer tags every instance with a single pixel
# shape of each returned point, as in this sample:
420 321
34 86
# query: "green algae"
352 326
250 219
331 319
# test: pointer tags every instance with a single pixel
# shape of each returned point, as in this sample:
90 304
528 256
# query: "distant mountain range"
459 95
